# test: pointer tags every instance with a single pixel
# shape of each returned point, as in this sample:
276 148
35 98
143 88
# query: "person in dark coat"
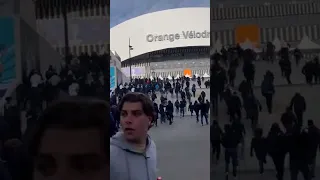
169 111
307 71
113 126
288 120
313 146
276 149
245 88
298 103
156 114
235 107
298 154
197 108
191 108
253 109
215 137
203 112
258 146
268 90
230 144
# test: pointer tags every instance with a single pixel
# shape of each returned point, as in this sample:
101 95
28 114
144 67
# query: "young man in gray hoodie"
132 152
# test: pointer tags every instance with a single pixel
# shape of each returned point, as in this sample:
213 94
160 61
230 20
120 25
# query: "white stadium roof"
172 28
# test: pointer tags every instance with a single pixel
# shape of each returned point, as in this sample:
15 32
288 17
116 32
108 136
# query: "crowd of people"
82 76
230 59
183 90
299 141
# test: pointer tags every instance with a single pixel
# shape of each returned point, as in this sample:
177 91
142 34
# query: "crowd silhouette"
81 76
292 135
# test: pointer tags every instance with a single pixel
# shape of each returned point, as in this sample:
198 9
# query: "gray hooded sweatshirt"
128 164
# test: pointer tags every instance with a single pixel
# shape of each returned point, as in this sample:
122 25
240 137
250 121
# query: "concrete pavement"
183 149
261 68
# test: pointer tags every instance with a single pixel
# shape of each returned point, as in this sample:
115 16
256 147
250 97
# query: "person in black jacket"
288 120
156 114
230 143
268 90
116 115
235 107
113 126
203 112
298 103
177 105
215 138
313 146
258 146
298 151
276 149
240 132
191 108
182 108
162 113
197 108
169 110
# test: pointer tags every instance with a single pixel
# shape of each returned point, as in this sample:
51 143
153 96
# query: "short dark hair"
73 113
134 97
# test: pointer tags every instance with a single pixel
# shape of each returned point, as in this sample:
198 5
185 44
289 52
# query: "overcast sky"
122 10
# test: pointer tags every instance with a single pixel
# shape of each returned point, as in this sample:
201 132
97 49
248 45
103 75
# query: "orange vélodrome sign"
187 72
249 32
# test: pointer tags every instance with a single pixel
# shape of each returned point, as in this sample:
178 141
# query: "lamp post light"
130 62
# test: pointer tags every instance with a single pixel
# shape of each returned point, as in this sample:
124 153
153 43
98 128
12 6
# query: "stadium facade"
168 42
88 25
288 20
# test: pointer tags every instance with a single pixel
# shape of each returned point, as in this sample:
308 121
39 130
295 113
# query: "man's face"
134 122
71 155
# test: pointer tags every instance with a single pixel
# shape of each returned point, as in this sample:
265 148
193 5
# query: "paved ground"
183 148
261 68
282 98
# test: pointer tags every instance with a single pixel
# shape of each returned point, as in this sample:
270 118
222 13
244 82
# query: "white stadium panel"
172 28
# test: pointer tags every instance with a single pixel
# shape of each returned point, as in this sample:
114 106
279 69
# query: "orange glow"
187 72
250 32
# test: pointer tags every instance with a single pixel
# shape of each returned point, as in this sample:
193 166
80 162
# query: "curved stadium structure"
285 19
164 43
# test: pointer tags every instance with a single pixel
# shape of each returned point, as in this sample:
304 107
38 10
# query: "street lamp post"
66 30
130 62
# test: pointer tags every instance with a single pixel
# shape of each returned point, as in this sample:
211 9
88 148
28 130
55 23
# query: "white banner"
135 71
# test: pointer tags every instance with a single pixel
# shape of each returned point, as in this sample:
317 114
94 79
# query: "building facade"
88 25
289 21
163 45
